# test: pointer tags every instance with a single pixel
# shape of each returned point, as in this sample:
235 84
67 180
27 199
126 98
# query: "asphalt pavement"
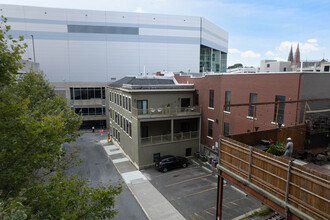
97 167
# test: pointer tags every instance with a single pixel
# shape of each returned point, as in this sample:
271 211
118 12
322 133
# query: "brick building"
215 90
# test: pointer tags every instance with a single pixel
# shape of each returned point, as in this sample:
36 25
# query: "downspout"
298 98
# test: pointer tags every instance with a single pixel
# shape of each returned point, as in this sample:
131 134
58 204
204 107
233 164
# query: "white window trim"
227 112
273 123
249 117
209 119
209 137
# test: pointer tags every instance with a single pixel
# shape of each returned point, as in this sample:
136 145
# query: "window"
120 100
326 68
253 99
130 129
279 113
284 69
211 101
188 152
124 103
225 129
142 106
87 93
129 104
227 100
210 130
196 97
156 156
268 65
126 106
110 94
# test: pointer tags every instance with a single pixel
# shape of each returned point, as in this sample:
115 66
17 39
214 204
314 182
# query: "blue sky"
257 29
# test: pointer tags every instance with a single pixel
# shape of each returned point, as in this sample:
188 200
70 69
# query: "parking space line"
177 171
209 213
199 216
201 191
187 180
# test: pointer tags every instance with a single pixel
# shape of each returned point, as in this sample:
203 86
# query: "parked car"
169 162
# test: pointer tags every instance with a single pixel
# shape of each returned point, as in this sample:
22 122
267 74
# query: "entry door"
142 106
144 131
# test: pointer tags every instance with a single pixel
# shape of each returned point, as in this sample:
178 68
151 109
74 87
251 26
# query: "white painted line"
110 149
113 152
238 190
103 141
120 160
133 175
207 169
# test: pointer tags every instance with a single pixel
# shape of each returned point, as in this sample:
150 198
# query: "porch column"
172 130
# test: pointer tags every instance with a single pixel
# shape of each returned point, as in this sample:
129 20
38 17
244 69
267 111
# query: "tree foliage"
34 123
237 65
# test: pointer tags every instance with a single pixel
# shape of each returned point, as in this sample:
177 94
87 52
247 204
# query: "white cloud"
270 53
246 54
312 41
308 47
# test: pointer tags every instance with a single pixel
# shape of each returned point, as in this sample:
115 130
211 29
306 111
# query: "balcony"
166 111
160 139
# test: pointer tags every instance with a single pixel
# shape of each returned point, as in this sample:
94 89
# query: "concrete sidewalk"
154 204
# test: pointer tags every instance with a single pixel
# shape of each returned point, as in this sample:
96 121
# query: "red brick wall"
267 86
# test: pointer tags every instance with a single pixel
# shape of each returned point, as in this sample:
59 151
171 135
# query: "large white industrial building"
81 47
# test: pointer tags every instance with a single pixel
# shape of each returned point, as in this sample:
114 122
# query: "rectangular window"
279 113
98 111
124 103
227 100
127 124
115 98
124 124
196 97
71 93
92 111
126 106
210 129
84 92
121 121
91 93
116 117
98 94
253 99
110 97
120 100
77 95
129 104
84 111
211 99
142 106
103 93
226 129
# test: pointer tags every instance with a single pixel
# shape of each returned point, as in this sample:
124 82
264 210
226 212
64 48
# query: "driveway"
193 192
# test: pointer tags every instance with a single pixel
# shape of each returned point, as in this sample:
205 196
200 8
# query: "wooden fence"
300 190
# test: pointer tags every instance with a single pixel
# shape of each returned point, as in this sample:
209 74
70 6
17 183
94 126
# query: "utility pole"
34 53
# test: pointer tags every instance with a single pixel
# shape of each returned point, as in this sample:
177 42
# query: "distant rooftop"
149 83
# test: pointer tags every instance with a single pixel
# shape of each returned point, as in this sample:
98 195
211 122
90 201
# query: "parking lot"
193 192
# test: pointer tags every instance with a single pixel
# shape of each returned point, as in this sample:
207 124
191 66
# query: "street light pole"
34 53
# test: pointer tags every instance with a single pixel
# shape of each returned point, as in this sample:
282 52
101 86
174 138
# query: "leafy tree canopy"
237 65
34 123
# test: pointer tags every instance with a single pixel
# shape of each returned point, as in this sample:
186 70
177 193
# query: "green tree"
34 123
237 65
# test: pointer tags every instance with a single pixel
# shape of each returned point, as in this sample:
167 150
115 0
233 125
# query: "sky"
257 30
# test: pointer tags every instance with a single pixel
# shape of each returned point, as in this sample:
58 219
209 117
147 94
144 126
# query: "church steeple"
297 56
290 58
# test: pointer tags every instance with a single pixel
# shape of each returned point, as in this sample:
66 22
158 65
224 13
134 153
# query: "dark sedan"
169 162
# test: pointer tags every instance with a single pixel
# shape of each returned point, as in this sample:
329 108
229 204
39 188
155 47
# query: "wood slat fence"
297 186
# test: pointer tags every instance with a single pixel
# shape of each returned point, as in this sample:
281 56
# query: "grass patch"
264 210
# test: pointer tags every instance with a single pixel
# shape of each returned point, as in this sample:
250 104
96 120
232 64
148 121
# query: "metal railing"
181 136
159 111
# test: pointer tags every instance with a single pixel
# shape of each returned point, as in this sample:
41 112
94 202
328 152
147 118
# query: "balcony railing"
165 111
181 136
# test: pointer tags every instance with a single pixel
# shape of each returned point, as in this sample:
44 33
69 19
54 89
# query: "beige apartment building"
152 117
